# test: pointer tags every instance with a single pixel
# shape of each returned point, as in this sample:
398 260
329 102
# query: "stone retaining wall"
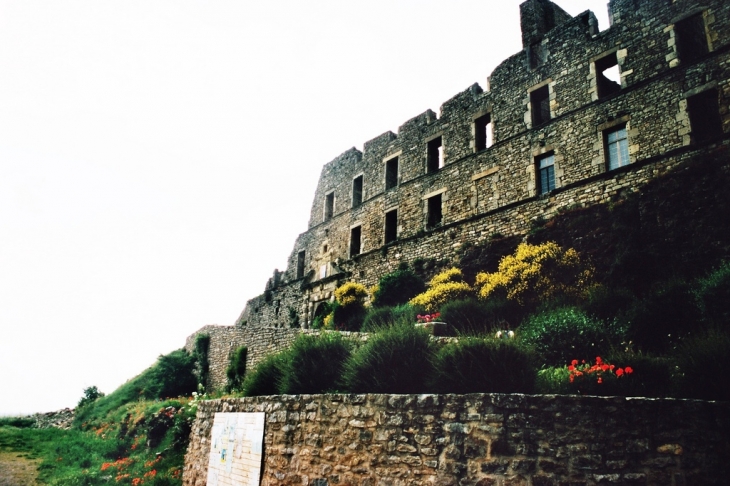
478 439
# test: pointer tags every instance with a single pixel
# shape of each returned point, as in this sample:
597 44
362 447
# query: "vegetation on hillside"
136 435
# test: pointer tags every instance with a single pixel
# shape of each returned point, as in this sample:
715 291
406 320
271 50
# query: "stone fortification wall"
478 439
484 190
225 339
260 341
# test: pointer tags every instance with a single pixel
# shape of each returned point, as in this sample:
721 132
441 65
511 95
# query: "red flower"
629 370
574 362
619 372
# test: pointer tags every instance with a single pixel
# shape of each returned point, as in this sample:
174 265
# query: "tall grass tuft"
476 365
313 364
265 378
395 360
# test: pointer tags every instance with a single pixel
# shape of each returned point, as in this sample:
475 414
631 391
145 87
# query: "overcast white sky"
159 158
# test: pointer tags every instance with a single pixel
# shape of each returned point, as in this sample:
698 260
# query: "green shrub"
348 317
477 365
713 296
200 353
651 377
662 319
313 364
236 369
561 335
397 288
608 302
325 309
19 422
378 318
702 361
395 360
476 317
265 378
90 394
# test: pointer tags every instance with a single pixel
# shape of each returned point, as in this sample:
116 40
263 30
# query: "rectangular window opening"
540 105
691 38
616 143
704 116
355 234
391 173
391 226
545 166
357 191
435 155
608 76
483 132
435 213
300 264
329 206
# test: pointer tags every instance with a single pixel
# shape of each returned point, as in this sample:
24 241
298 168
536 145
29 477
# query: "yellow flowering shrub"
444 287
451 275
535 273
350 293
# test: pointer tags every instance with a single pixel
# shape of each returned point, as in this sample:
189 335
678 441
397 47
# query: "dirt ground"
17 471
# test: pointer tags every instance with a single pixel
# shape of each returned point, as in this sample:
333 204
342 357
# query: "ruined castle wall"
495 190
482 439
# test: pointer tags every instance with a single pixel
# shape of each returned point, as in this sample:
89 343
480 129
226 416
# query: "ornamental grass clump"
313 364
395 360
444 287
265 377
378 318
474 365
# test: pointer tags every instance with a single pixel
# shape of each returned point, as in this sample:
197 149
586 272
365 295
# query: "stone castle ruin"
578 117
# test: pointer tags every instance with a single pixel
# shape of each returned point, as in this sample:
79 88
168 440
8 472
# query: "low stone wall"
478 439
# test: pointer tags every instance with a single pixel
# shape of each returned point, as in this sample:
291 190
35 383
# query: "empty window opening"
391 173
391 226
300 264
617 148
704 116
355 234
545 173
435 155
691 38
540 105
435 213
483 132
357 191
329 206
608 75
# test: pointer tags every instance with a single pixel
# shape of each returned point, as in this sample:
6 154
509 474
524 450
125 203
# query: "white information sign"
235 449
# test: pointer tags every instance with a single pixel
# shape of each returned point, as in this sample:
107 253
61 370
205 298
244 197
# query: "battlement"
575 118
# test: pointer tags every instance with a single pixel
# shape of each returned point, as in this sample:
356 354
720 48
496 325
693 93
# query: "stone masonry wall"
261 342
494 190
478 439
